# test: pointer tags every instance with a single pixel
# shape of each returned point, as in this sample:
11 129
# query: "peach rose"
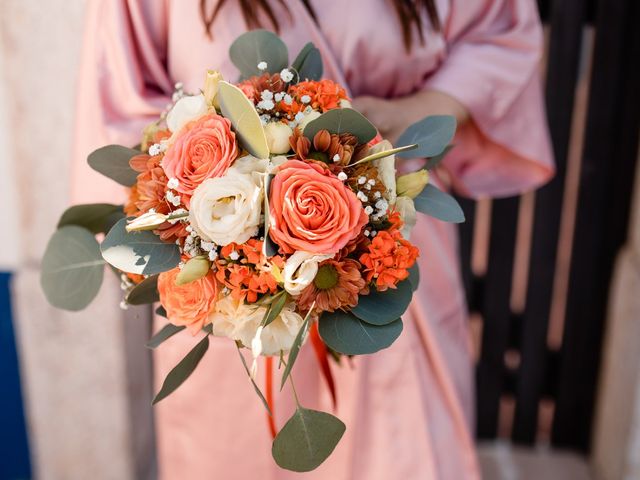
312 210
204 148
189 304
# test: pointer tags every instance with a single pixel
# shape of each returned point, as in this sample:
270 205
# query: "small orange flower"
246 271
335 286
388 259
323 95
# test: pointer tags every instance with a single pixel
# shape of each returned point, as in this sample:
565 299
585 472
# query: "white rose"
238 321
227 209
407 210
278 134
386 168
308 117
186 109
300 269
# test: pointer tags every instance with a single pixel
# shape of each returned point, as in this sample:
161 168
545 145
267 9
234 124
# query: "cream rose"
186 109
227 209
300 269
386 168
238 321
308 117
278 134
407 210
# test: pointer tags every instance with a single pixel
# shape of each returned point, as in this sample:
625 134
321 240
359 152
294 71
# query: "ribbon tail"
268 373
322 355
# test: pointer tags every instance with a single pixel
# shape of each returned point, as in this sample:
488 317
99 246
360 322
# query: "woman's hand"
392 117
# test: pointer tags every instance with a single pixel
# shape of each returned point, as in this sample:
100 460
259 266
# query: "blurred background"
552 277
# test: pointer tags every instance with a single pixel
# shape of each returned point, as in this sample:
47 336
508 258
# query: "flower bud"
211 87
147 221
278 134
186 109
344 103
411 184
308 117
193 270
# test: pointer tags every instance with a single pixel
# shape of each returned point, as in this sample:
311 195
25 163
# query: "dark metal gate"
517 361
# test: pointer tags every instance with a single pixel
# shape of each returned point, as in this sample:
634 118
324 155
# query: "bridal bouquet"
267 212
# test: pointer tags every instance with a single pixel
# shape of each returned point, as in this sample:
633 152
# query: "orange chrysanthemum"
149 193
335 286
388 259
249 275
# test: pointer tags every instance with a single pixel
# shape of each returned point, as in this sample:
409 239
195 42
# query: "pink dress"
408 409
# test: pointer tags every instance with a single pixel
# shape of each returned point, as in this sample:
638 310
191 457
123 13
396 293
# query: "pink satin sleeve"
494 49
123 85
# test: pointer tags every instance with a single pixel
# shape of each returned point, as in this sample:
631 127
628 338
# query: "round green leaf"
308 63
342 120
92 216
113 162
256 46
145 292
414 277
244 118
345 333
138 252
432 134
306 440
439 205
381 308
72 268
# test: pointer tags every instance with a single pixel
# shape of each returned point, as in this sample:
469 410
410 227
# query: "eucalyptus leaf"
244 118
269 247
161 311
72 268
414 276
384 154
113 162
256 46
166 332
433 162
381 308
432 134
345 333
92 216
295 348
143 253
275 308
438 204
253 382
306 440
183 370
308 63
145 292
342 120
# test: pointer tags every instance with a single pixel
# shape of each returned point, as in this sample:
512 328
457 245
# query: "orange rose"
203 148
312 210
188 304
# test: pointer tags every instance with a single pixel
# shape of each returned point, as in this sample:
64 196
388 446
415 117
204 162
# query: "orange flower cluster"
245 270
321 95
324 95
149 192
388 257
